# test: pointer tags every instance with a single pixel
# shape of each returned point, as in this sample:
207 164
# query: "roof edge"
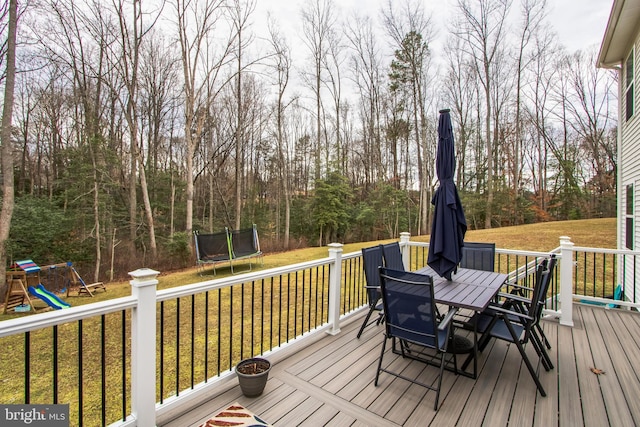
614 17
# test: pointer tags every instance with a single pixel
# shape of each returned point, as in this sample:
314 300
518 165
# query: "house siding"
629 169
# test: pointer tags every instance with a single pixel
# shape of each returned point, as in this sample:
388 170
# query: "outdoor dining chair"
371 260
514 322
479 256
539 291
542 298
410 316
392 256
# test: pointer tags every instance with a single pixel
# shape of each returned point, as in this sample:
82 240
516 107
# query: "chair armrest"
504 313
444 324
516 286
514 297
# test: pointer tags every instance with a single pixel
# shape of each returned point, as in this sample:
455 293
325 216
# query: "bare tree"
127 62
318 20
10 10
333 63
460 94
411 32
282 68
540 102
79 38
366 67
590 108
159 99
533 13
482 27
240 11
196 24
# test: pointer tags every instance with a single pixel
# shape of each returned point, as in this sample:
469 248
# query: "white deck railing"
143 303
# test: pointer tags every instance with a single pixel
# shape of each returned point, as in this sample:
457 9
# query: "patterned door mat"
237 416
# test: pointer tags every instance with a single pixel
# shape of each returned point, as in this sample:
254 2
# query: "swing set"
26 280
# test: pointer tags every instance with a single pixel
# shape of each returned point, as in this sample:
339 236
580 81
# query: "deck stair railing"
164 351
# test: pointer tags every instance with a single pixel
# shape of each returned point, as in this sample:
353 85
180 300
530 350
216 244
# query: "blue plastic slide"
50 298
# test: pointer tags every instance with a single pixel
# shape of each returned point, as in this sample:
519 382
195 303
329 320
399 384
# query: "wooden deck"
331 382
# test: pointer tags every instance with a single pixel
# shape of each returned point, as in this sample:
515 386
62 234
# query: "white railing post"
143 347
335 280
566 281
404 246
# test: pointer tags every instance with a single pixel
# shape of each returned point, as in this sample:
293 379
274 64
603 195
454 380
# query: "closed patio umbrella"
449 224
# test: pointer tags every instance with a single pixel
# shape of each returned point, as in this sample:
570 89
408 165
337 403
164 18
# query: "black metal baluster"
103 367
206 336
55 364
253 317
271 315
230 327
27 367
177 383
280 310
242 321
614 271
324 292
361 282
318 301
193 339
594 262
635 273
262 317
288 308
575 273
344 270
584 277
310 299
124 364
161 351
219 362
295 304
80 376
604 271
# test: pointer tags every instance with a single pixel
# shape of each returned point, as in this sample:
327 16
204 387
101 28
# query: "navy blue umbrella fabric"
449 224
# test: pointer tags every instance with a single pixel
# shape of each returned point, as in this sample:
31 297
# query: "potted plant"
252 375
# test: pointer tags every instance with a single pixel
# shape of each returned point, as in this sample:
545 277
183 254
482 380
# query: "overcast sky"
580 24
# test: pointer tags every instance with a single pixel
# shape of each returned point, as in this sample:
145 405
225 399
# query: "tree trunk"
7 156
239 135
96 223
489 142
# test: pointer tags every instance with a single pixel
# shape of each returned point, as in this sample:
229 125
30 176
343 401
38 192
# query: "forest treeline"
137 122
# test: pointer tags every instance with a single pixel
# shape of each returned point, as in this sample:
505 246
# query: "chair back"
543 280
392 256
409 307
479 256
371 261
534 308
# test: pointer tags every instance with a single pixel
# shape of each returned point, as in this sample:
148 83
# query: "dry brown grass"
545 236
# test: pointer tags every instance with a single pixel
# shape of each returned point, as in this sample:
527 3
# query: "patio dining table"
468 289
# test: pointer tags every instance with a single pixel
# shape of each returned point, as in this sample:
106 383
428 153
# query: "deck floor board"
330 382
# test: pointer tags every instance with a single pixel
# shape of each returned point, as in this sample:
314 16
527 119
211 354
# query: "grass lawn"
535 237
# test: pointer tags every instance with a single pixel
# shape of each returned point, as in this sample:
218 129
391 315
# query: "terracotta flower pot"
252 375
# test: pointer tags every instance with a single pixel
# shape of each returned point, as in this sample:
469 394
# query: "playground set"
26 281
